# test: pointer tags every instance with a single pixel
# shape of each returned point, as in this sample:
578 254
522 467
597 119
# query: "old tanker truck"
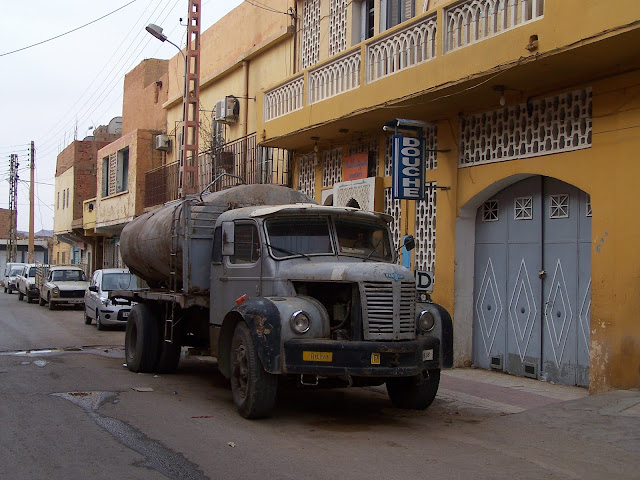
273 284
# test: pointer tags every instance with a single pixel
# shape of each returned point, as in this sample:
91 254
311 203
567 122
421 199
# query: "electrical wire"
68 32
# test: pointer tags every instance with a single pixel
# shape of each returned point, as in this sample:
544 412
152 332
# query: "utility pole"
31 256
191 104
12 241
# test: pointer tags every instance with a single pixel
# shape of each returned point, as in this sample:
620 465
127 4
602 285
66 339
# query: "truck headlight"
426 321
300 322
56 291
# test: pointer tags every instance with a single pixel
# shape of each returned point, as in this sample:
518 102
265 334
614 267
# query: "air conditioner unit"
226 110
163 142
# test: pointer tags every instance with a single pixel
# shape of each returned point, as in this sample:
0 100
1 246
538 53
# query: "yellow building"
528 114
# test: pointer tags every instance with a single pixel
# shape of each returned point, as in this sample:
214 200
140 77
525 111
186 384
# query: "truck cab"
324 301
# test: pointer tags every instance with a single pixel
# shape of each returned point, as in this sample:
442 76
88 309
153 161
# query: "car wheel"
52 305
414 393
10 291
5 289
20 296
99 324
29 299
87 318
253 389
141 339
41 301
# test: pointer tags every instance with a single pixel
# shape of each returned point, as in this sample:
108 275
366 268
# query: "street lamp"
156 31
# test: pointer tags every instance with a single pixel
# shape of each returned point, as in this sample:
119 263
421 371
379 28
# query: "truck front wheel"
414 393
254 390
141 339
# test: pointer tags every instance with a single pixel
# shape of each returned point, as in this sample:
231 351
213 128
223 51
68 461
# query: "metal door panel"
489 335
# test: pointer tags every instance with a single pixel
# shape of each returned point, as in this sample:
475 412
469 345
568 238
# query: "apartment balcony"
454 58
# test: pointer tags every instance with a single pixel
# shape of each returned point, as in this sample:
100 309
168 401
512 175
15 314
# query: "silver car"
98 305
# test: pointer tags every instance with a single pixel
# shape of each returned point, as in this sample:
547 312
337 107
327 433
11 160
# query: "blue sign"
408 168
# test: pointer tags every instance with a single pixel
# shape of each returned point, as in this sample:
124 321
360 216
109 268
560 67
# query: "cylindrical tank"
146 241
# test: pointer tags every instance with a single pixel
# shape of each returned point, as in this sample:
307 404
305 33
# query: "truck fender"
446 340
263 319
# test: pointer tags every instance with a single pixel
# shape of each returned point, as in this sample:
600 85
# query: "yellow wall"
63 212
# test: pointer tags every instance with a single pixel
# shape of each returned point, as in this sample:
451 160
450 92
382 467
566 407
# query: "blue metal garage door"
532 282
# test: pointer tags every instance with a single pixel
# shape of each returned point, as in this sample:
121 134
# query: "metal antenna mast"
12 241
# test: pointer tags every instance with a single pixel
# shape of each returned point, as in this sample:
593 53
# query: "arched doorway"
532 281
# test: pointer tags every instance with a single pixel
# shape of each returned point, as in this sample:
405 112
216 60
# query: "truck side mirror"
409 243
227 238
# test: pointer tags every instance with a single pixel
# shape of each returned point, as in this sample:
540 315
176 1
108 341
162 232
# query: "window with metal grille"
559 206
523 208
490 211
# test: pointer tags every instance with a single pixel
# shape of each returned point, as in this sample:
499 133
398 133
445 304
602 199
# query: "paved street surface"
70 410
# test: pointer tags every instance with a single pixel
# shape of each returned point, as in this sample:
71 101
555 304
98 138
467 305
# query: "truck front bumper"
361 358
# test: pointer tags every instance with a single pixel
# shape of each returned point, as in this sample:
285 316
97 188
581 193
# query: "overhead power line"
67 33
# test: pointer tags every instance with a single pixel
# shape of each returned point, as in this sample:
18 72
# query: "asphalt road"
69 409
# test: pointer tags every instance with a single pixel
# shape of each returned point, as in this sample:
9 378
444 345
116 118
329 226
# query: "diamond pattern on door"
584 317
489 307
522 310
558 314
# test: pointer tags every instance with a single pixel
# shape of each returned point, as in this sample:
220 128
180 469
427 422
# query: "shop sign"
408 168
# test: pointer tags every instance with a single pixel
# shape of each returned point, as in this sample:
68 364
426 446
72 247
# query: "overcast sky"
56 91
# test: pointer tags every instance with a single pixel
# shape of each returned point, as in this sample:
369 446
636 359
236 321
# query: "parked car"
13 276
98 305
26 283
7 271
61 285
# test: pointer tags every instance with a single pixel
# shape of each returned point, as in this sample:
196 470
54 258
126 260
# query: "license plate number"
125 314
317 356
427 355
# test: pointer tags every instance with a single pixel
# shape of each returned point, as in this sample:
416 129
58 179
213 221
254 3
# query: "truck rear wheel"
41 301
141 339
414 393
254 390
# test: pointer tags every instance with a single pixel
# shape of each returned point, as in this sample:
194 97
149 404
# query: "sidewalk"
611 418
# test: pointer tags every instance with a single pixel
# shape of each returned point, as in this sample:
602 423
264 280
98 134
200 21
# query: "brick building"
5 222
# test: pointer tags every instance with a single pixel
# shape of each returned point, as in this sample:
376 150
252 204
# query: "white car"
26 284
63 285
98 305
10 282
7 273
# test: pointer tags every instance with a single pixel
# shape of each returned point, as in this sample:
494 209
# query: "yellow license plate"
317 356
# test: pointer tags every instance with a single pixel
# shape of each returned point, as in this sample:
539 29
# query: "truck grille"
389 310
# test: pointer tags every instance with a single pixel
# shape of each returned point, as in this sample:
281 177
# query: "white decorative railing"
284 99
475 20
334 78
403 49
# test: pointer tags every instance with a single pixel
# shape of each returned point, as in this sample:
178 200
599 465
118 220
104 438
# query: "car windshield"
363 238
299 236
119 281
16 271
68 276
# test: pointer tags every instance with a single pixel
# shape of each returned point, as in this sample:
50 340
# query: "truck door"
239 273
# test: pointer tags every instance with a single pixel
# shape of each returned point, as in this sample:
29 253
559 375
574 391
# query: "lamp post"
156 31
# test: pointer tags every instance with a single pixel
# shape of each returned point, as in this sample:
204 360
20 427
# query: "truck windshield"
68 276
299 236
32 272
119 281
363 239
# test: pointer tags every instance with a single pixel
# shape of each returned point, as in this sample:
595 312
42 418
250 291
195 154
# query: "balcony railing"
284 99
161 185
474 20
403 49
245 158
464 23
334 78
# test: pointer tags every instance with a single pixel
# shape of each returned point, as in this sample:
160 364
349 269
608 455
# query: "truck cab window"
246 244
216 256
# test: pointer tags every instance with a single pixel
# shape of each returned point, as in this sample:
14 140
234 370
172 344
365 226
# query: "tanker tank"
146 242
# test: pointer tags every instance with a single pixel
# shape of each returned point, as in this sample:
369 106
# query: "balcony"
446 59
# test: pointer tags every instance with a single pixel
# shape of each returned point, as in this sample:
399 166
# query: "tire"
41 301
5 289
20 296
29 299
141 339
87 318
52 306
414 393
99 324
169 357
9 290
253 389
